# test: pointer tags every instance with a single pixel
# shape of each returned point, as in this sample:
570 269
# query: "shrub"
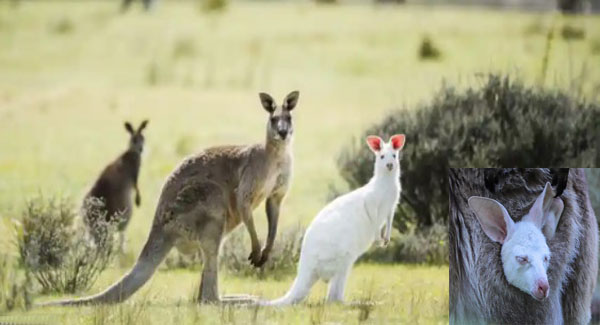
58 254
500 124
234 255
428 50
213 5
15 286
62 26
326 1
429 246
282 260
569 32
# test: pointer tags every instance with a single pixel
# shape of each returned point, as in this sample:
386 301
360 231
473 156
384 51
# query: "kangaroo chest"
270 182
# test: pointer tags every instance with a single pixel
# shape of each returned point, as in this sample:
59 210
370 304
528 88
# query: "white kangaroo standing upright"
346 227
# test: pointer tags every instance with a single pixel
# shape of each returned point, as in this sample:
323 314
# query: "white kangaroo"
346 227
525 253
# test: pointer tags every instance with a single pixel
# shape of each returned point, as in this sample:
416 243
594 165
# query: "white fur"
345 229
525 253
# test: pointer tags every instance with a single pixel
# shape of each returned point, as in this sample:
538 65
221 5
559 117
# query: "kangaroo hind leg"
337 284
210 242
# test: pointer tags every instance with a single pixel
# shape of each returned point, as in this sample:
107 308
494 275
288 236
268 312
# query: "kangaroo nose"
282 134
390 166
542 288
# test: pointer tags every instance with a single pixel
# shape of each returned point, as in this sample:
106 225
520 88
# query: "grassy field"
72 72
400 294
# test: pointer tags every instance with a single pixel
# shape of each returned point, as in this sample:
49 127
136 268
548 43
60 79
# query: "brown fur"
479 292
116 183
207 196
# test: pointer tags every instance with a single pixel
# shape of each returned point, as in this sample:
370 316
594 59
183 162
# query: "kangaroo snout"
283 134
541 289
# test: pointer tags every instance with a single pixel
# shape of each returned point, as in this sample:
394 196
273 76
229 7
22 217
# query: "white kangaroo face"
525 254
525 259
386 154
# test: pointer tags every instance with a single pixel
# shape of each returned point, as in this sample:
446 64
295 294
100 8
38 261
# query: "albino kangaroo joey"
346 227
525 254
211 193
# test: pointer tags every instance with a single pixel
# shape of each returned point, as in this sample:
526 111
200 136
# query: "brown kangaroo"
115 184
209 195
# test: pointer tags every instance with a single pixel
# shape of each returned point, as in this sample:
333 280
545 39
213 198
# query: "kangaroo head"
386 154
279 126
136 141
525 253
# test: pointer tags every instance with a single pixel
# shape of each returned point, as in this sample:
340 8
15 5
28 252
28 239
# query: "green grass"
399 294
72 72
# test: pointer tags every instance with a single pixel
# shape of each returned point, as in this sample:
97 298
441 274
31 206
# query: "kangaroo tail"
299 290
156 248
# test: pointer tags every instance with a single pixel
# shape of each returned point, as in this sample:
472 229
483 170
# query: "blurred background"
471 83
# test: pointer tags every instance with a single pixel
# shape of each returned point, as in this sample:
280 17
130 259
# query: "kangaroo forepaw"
255 258
263 258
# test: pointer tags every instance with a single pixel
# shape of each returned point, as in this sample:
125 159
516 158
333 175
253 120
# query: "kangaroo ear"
540 207
291 100
267 102
129 128
397 141
143 126
374 143
552 217
493 217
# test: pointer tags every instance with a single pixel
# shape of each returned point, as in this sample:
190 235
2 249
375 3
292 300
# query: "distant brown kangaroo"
209 195
115 184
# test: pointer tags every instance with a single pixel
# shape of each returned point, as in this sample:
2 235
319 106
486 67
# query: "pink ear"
374 142
493 217
397 141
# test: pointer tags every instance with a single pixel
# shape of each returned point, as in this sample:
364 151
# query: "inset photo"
523 245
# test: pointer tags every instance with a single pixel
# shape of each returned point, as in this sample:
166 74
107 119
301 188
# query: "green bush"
502 123
326 1
58 254
428 50
426 246
62 26
213 5
234 255
15 286
282 260
570 32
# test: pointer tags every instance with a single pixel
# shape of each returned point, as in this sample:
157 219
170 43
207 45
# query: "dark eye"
522 259
382 156
288 118
393 155
546 259
273 119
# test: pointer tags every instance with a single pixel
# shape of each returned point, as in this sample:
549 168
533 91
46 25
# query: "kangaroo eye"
522 259
382 156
